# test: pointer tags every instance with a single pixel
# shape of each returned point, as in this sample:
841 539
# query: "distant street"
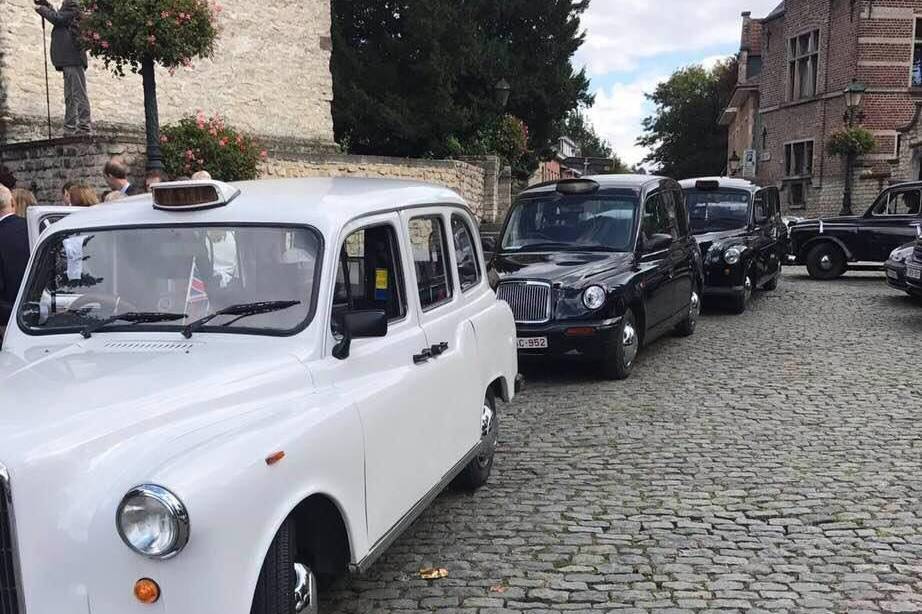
773 462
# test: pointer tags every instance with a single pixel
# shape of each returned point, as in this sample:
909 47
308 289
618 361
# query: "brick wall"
288 81
45 166
868 41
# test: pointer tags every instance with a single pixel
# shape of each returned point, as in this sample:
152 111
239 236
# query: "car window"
656 219
465 253
430 258
761 206
899 202
369 275
672 214
681 212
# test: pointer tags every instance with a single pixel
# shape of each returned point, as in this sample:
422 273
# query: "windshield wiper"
546 245
243 310
132 318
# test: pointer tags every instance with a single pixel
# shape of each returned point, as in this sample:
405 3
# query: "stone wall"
287 81
465 178
45 166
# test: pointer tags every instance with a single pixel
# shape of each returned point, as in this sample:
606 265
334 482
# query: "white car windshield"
168 278
578 223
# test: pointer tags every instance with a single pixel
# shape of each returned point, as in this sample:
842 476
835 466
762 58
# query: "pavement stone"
770 463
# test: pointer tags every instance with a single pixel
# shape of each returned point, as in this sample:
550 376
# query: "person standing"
22 200
82 194
71 60
14 255
115 172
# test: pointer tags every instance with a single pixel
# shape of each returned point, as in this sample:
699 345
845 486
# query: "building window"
798 159
797 194
917 56
803 65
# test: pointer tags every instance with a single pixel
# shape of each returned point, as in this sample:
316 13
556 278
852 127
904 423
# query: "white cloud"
621 33
618 113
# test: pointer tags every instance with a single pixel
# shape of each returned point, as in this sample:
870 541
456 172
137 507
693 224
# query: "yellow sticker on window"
381 279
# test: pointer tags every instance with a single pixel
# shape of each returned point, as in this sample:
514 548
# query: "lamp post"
853 117
502 90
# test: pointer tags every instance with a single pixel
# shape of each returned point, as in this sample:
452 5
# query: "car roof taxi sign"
192 195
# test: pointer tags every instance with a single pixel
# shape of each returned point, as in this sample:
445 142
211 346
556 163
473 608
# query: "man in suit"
14 254
115 173
70 59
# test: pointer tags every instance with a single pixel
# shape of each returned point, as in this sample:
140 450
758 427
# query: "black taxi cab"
595 268
741 233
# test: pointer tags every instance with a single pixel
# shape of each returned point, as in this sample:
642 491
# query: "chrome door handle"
439 349
422 357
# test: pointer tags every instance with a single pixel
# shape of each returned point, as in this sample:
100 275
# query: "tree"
138 34
684 136
416 78
577 127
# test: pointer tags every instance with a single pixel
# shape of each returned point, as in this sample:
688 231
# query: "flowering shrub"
510 138
122 33
851 141
202 143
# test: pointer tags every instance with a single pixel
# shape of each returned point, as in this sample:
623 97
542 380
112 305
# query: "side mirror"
359 325
655 243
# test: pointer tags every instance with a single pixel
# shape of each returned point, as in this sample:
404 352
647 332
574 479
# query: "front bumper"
571 339
896 276
722 291
723 279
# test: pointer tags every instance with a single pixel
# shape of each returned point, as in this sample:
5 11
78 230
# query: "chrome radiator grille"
9 591
530 301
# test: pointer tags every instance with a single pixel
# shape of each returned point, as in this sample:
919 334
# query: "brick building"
795 65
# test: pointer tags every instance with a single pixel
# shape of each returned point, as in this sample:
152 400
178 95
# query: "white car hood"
108 392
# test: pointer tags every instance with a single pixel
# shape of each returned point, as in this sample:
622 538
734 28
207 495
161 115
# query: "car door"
656 266
892 221
450 340
391 391
40 218
680 259
762 236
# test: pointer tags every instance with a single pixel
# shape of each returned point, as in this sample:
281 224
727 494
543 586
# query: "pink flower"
164 138
223 142
104 44
264 154
96 36
190 154
200 120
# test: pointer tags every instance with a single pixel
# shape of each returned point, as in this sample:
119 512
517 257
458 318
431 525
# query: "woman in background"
22 200
83 195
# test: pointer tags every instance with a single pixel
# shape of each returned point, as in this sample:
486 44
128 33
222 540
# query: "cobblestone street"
769 463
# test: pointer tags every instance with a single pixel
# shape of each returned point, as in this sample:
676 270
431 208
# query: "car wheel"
741 300
477 472
826 261
618 360
285 586
687 327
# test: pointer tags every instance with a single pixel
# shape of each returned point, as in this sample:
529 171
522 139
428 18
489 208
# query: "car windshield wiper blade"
132 318
545 245
243 310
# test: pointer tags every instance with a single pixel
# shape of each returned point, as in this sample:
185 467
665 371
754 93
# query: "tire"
621 352
826 261
477 472
687 327
741 300
279 577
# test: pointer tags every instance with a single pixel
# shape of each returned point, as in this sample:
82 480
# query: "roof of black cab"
604 181
722 182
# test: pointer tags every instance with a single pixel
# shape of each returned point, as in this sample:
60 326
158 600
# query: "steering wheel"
110 301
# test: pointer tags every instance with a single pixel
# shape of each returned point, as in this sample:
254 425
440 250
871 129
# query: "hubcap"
826 262
488 435
748 288
629 341
694 309
305 590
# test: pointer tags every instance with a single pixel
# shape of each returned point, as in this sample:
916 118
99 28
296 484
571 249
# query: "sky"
632 45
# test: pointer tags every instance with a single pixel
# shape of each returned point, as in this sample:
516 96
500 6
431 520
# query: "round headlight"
594 297
153 522
897 255
732 255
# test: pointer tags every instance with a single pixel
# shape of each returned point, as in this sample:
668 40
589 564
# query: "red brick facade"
869 40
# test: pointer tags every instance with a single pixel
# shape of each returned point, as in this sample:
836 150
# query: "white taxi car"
215 397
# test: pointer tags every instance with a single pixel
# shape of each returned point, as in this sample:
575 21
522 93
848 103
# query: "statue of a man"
69 58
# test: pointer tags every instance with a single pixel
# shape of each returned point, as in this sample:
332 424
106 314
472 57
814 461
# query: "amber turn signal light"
275 458
147 591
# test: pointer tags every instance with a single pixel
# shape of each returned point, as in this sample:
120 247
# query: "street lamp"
502 89
853 116
734 164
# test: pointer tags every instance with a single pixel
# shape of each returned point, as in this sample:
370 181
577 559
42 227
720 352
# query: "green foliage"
122 33
684 136
200 143
855 141
417 79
